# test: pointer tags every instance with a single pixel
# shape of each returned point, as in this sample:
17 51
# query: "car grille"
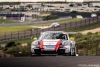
49 52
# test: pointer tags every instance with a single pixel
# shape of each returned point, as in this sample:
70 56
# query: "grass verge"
71 20
5 21
23 40
13 29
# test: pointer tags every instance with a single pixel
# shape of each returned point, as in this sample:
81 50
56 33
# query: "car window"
53 36
62 36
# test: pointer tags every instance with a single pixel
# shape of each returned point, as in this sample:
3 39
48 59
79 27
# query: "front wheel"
72 52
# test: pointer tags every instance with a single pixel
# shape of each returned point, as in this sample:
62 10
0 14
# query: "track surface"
51 61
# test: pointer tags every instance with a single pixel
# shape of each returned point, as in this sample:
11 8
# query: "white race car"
55 24
53 42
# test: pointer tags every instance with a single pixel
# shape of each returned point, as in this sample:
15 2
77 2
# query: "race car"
53 42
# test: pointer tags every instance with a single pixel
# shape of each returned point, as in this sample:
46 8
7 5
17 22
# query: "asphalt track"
51 61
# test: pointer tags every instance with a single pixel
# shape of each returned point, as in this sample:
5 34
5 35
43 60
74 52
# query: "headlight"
35 44
64 43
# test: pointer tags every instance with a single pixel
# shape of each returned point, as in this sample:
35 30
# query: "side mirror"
72 38
35 38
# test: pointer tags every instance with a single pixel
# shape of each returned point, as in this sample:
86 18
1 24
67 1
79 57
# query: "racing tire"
72 54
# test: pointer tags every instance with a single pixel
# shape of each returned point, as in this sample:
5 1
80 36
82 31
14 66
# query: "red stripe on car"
41 45
57 45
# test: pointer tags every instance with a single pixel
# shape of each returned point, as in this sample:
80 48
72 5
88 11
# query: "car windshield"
53 36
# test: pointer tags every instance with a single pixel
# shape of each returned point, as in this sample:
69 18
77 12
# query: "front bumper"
47 51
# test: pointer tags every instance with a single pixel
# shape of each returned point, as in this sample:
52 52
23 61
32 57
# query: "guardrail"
64 26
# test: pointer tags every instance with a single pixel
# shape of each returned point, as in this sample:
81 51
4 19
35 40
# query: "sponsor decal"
48 45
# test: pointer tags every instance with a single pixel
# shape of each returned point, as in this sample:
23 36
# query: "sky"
38 0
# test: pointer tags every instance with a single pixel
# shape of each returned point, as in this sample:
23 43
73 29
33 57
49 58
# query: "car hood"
51 42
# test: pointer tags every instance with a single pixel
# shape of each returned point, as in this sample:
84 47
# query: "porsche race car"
53 42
